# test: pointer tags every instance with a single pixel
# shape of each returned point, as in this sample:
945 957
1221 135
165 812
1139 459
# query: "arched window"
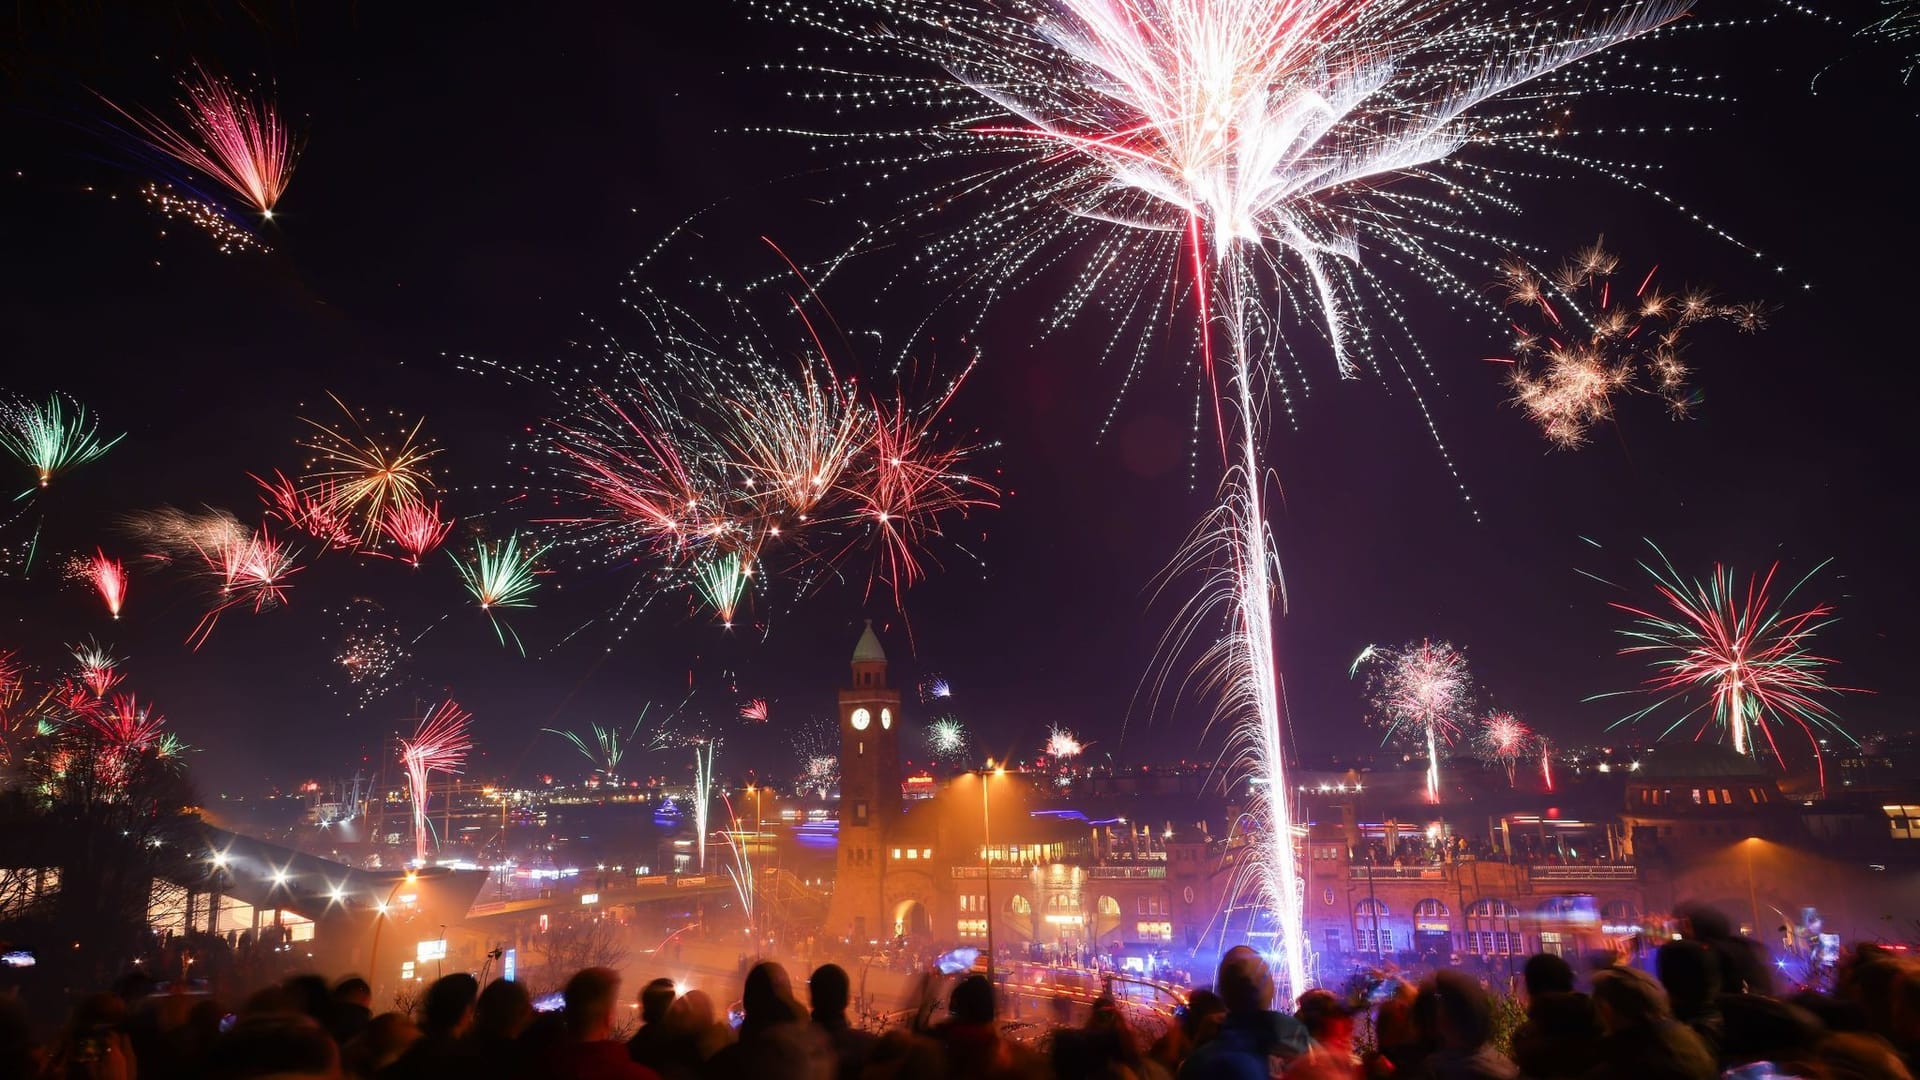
1492 930
1107 905
1560 906
1430 909
1619 916
1371 934
1060 902
1019 905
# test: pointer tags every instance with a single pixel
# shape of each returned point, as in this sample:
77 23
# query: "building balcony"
1003 873
1597 872
1397 873
1150 873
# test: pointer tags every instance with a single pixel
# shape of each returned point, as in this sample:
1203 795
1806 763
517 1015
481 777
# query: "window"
972 902
1369 907
926 853
972 929
1154 931
1370 932
1550 943
1333 941
1494 943
896 853
1726 797
1903 822
1365 941
1151 905
1019 905
1430 909
1713 797
860 813
1620 917
1107 905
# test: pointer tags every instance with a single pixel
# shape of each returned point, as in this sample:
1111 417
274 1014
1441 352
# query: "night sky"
480 179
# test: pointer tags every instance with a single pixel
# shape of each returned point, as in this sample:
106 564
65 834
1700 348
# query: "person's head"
353 990
1703 921
1203 1014
448 1006
1462 1012
1690 973
655 999
1755 1028
1244 981
829 991
1546 973
1625 999
386 1037
309 994
972 1001
274 1044
767 997
1564 1016
591 997
1328 1022
504 1010
691 1014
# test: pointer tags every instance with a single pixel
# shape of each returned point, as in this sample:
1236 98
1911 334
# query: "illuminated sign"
509 964
589 897
432 950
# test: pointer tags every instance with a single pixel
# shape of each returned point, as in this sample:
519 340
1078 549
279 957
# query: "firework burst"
439 744
416 528
604 747
1240 152
51 438
361 476
312 510
236 140
370 651
251 571
722 582
1422 694
109 579
1595 340
501 575
813 745
755 711
1061 745
947 740
934 688
1502 740
96 667
1733 660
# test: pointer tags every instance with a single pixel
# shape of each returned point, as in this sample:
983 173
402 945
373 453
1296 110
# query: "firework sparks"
1730 658
755 711
822 774
1502 740
416 528
228 236
1421 693
702 798
370 652
98 669
1252 150
934 688
52 438
500 576
252 571
604 747
1597 341
312 510
1062 745
239 141
171 534
722 582
439 744
362 476
109 579
947 739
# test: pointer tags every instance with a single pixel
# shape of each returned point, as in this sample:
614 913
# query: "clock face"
861 718
886 719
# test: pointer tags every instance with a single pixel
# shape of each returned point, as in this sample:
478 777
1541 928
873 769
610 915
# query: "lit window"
926 853
896 853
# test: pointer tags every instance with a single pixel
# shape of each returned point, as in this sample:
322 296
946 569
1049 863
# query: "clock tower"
869 795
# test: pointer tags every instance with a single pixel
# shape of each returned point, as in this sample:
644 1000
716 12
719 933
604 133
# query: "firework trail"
720 461
52 438
416 528
1901 27
501 575
741 872
1546 762
231 138
361 476
171 534
947 740
755 711
251 571
228 236
1732 659
109 579
439 744
1421 693
1595 341
934 688
370 651
313 510
1502 740
702 798
1242 152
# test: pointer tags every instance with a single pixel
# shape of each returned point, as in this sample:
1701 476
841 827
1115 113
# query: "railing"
1600 872
1134 873
1397 873
1010 873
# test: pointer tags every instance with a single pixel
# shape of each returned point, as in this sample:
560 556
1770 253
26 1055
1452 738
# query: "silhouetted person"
775 1039
828 992
1559 1038
1744 967
349 1008
493 1042
651 1045
1253 1038
1690 973
590 1052
1642 1040
1545 973
274 1044
445 1015
1461 1019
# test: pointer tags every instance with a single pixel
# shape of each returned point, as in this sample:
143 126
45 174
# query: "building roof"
868 651
1685 760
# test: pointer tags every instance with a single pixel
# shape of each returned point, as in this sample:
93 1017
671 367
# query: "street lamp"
986 843
380 921
1753 894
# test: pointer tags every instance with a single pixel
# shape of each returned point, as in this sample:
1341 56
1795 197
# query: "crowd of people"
1708 1012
